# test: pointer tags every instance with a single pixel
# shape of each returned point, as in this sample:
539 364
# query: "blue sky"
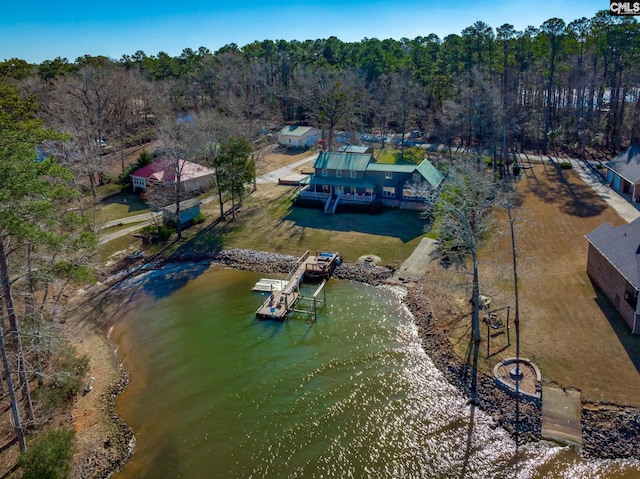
38 30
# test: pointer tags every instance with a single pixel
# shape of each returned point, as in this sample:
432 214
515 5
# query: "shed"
298 136
189 209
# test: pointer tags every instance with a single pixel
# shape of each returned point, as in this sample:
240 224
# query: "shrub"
165 232
49 455
566 165
149 230
199 218
68 371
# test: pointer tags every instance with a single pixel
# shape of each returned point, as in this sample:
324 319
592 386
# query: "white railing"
314 194
366 198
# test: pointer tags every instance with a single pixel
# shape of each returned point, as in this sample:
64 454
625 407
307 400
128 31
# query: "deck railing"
314 194
358 198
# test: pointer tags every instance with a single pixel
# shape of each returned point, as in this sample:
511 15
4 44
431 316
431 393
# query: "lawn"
392 155
269 222
567 327
118 206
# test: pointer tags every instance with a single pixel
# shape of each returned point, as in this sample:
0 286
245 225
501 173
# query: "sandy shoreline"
609 431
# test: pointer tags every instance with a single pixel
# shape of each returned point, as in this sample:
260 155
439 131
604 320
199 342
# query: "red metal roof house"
193 177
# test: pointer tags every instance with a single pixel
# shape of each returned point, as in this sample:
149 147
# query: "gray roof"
355 149
627 164
295 130
184 205
620 245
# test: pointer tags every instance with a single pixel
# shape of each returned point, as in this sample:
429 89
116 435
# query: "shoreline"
609 431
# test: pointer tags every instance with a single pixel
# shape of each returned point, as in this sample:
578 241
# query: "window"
325 172
408 193
416 177
388 175
353 190
338 173
353 174
388 192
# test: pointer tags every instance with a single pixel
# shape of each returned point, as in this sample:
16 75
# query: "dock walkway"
280 303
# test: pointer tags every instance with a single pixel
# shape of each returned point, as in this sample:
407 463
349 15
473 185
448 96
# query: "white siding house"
298 136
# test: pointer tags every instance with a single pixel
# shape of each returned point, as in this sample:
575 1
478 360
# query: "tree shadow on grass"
132 200
575 198
630 342
405 225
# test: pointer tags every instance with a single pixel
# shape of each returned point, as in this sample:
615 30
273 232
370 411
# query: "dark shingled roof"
627 164
620 245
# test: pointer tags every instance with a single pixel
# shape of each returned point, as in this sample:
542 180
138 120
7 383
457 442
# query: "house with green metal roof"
342 178
298 136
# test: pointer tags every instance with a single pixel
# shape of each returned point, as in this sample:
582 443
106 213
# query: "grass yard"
567 327
391 155
268 222
121 205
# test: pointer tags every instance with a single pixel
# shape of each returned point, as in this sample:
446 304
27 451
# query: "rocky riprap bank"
610 431
120 440
263 262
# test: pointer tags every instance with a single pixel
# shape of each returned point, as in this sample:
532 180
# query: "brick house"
613 263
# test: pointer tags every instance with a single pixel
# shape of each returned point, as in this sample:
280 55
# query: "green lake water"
216 393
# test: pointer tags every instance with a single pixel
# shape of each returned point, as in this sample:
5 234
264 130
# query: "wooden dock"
280 303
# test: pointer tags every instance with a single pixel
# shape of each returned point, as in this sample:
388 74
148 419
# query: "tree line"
560 87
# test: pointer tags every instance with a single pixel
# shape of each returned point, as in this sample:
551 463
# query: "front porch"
324 192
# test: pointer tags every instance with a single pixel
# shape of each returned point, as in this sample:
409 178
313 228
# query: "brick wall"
610 281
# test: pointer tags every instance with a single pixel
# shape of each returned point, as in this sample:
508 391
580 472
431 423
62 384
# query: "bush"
68 371
165 232
49 455
199 218
566 165
149 230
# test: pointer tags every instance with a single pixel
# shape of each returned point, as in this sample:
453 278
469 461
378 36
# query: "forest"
560 88
570 88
